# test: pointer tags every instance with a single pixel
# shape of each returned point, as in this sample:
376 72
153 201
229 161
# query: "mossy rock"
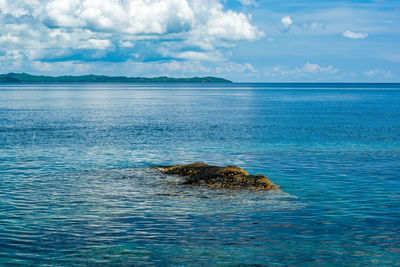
219 177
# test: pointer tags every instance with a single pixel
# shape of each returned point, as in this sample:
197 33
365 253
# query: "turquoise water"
76 190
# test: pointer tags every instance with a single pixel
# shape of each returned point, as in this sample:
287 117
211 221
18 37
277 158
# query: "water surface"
75 187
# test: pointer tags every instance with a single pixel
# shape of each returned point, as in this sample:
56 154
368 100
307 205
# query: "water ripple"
75 189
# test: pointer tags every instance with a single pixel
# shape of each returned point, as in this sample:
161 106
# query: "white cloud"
248 2
9 39
142 29
194 55
308 67
385 74
7 9
234 68
60 67
95 44
11 60
315 25
231 26
126 44
355 35
306 70
315 68
133 17
250 67
286 21
176 68
19 8
151 17
179 67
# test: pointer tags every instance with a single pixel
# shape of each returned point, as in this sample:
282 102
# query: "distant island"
28 78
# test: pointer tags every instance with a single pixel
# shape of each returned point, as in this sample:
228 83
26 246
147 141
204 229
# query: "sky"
241 40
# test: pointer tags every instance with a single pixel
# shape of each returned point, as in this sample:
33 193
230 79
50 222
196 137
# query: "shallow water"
75 187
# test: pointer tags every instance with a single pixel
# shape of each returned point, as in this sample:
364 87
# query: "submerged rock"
215 176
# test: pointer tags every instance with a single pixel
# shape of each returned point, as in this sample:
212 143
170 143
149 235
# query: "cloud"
176 68
315 68
66 67
11 60
126 44
231 26
248 2
154 17
315 25
9 39
377 73
96 44
355 35
122 30
132 17
307 69
195 55
6 8
235 68
286 21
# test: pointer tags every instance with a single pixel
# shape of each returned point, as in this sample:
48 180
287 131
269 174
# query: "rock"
215 176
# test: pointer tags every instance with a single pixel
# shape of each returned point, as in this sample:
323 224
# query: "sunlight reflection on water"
75 187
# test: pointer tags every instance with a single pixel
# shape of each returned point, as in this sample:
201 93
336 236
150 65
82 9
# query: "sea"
76 187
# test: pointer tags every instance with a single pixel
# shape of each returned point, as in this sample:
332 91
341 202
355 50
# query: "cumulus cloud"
138 17
194 55
126 44
286 21
306 70
11 59
355 35
133 17
96 44
231 26
308 67
121 30
6 8
9 39
176 68
315 68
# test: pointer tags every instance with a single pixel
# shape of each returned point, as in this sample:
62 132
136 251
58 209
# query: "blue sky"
242 40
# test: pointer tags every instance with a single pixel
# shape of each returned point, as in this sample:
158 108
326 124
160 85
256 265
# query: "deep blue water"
76 190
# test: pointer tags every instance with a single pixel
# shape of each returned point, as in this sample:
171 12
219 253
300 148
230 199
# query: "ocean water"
76 188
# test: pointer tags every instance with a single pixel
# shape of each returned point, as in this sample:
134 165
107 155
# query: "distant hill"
27 78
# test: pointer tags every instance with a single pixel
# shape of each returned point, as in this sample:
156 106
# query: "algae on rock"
215 176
